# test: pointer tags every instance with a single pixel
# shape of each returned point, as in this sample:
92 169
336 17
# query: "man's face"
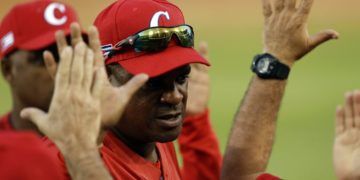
30 82
156 111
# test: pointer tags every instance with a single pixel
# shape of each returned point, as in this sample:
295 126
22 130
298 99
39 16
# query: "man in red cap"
25 33
49 17
151 37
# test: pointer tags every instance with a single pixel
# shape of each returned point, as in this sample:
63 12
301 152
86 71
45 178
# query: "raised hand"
74 114
199 85
347 138
113 99
285 33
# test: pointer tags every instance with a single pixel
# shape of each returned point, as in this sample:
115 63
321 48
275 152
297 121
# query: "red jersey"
5 123
199 148
124 163
198 144
267 177
24 156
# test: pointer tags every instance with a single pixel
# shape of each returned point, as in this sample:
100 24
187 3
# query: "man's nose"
173 96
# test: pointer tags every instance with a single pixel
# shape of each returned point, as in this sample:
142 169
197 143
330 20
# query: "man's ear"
6 68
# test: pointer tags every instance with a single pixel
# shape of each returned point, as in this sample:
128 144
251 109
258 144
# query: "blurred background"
233 30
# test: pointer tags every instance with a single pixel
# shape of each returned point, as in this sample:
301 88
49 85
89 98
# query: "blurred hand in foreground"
113 99
347 138
199 85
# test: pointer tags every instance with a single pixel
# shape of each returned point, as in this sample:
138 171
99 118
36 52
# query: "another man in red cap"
25 33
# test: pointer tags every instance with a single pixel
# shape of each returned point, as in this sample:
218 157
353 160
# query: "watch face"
263 65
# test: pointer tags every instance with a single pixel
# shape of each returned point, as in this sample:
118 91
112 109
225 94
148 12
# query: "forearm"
252 136
85 163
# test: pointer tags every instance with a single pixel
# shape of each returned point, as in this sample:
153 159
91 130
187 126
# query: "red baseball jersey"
5 123
198 144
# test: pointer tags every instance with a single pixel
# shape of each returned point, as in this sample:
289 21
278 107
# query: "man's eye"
153 85
182 79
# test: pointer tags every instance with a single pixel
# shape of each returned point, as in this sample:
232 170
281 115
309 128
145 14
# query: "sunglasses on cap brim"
155 39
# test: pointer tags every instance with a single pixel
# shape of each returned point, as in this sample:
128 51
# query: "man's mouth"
170 120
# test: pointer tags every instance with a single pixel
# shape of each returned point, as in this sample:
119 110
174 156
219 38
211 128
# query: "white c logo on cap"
50 14
155 19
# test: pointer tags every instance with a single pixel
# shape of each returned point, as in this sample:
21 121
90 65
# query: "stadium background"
233 29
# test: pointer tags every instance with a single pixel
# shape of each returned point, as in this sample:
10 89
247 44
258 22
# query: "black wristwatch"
267 66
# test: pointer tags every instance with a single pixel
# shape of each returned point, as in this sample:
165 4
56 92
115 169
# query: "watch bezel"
275 69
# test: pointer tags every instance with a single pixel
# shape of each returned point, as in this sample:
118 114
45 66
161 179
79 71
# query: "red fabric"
5 123
123 163
200 149
124 18
24 156
267 177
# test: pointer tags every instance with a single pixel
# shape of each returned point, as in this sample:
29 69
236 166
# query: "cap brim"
42 41
155 64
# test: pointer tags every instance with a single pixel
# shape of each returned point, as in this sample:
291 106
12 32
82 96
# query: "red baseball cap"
32 25
124 18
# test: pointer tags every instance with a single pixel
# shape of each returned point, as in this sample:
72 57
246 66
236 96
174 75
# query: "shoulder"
21 150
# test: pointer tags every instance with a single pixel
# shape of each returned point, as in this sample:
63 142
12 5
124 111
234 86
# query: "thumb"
203 49
133 85
50 63
322 37
35 115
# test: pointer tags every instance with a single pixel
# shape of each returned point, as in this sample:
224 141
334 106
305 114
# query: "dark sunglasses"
154 39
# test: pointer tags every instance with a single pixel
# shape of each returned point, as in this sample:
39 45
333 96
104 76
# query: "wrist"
76 147
282 58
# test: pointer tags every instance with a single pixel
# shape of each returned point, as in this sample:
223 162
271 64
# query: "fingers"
95 45
99 81
340 120
266 8
50 63
60 41
77 68
305 7
204 52
203 49
356 108
279 5
133 85
88 70
76 35
290 4
322 37
349 114
37 116
63 76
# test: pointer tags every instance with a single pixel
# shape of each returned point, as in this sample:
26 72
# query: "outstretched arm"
253 132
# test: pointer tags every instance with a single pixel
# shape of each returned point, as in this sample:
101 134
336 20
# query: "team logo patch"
7 41
50 17
155 19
